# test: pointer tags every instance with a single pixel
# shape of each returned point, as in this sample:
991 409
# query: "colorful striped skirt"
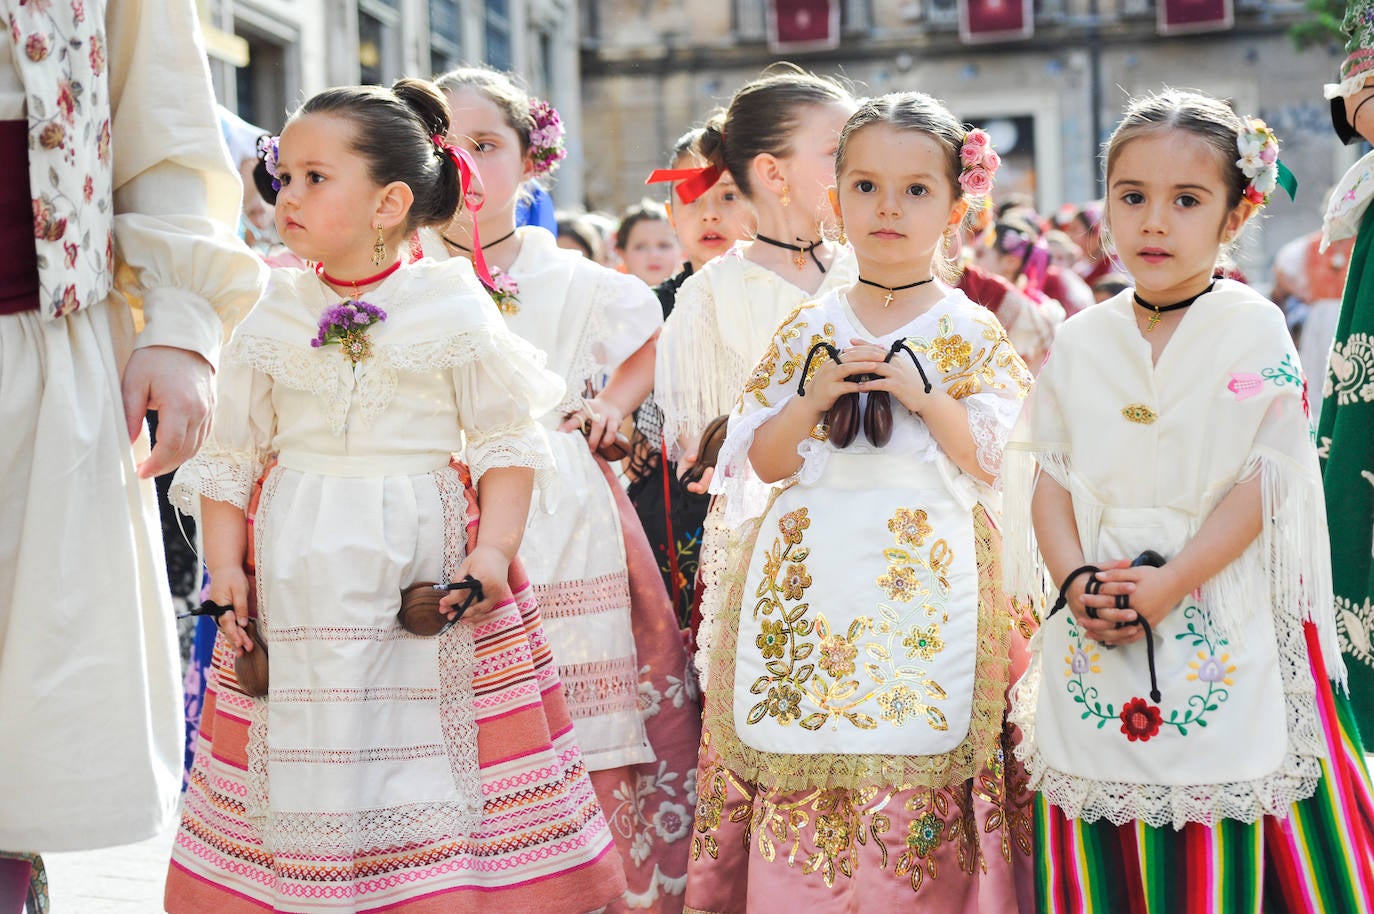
1318 860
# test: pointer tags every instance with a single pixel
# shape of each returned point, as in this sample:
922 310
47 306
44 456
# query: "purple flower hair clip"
269 152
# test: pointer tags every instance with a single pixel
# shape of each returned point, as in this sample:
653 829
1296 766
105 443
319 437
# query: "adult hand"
178 384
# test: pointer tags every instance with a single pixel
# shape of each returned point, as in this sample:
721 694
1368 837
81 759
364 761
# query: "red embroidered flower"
69 301
1140 720
102 142
36 47
70 250
97 55
1306 407
88 189
46 225
66 99
79 10
52 135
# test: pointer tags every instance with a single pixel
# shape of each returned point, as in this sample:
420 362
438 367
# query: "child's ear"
1236 219
834 193
393 204
956 215
527 172
768 173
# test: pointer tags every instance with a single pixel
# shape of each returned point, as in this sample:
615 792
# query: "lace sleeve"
990 419
521 444
217 473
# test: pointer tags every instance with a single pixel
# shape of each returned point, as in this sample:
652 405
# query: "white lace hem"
1291 555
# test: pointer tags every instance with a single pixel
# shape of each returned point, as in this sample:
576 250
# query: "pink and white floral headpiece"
979 163
546 139
1259 159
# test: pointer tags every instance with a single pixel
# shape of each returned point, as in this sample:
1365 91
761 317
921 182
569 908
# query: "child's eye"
1132 198
918 190
864 186
485 147
315 177
283 178
730 197
1187 201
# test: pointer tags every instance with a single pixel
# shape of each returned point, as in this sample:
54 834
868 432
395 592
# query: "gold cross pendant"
799 259
887 301
1154 319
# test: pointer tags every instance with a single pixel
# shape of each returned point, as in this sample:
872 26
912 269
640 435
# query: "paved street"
121 880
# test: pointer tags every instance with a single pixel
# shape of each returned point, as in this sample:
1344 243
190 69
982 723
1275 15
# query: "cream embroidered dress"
1244 730
860 653
360 786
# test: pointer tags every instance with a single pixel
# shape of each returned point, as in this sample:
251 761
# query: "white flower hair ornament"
1259 162
978 164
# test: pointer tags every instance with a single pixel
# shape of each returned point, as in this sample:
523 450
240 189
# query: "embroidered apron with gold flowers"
60 57
861 652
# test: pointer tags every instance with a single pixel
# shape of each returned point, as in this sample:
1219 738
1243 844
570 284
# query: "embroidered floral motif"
1139 720
1244 384
972 367
923 642
900 583
1355 628
911 527
899 704
1351 376
924 835
786 356
837 655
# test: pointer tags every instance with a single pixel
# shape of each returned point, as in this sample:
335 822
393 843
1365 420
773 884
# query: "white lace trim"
1288 555
990 420
721 543
517 445
217 473
371 383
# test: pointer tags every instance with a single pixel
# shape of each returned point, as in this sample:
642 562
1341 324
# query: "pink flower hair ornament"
546 139
978 164
269 152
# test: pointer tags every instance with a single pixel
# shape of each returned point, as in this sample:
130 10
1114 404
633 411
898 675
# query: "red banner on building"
995 20
800 25
1178 17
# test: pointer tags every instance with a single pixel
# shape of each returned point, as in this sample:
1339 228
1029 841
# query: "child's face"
810 167
1168 213
896 200
480 127
325 208
708 225
652 252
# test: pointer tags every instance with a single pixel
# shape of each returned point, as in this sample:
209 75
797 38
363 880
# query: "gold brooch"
1140 414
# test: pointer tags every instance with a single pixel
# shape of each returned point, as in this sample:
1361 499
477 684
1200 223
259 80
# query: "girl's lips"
712 238
1153 255
887 234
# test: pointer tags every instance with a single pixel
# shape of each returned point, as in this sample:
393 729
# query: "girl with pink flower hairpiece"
862 645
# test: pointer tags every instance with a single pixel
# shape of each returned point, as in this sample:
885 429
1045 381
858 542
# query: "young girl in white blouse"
385 768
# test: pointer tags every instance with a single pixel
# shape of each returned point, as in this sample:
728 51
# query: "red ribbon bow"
467 171
695 181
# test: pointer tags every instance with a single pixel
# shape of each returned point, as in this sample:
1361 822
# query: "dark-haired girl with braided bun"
386 767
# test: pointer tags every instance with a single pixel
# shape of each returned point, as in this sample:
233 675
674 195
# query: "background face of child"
810 165
652 252
1167 211
711 223
480 127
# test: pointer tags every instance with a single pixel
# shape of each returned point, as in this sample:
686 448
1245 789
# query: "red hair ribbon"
695 181
467 171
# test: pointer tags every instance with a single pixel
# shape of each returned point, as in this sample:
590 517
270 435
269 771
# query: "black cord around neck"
486 247
798 249
893 290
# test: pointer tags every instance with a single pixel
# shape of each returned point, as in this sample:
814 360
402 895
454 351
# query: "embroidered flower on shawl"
900 704
505 291
1082 660
923 642
36 47
784 702
546 139
951 352
833 833
771 640
346 324
672 822
650 699
792 524
796 582
46 224
925 833
1211 668
911 527
837 656
1140 720
899 582
1244 384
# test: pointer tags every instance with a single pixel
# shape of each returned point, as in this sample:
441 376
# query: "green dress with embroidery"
1346 442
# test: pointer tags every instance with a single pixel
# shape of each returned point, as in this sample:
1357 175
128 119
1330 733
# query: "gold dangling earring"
844 239
379 249
786 196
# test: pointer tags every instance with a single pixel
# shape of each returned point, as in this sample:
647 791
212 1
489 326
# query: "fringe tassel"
699 377
1024 570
